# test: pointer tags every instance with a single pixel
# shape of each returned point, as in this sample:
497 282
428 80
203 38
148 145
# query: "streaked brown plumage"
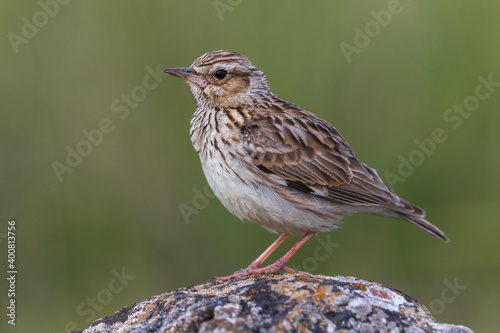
275 164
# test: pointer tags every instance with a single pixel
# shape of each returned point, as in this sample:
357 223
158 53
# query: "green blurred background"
119 210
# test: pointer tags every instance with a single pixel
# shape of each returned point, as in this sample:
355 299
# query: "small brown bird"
272 163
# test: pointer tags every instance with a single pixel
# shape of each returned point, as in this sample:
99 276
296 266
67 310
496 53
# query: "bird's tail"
425 225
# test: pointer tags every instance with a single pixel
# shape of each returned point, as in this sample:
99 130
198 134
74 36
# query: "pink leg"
278 265
258 262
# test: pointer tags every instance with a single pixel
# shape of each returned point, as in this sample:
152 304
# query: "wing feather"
308 154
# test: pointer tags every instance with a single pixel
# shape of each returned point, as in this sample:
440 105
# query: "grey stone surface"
278 303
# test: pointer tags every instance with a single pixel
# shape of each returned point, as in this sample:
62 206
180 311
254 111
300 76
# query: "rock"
277 303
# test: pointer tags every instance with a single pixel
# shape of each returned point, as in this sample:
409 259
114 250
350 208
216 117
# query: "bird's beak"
187 74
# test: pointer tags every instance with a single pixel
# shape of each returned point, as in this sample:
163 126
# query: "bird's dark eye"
220 74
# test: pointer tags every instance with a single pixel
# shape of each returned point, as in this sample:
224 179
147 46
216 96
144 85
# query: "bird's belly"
255 202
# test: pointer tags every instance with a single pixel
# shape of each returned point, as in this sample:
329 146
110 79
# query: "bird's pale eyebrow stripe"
209 62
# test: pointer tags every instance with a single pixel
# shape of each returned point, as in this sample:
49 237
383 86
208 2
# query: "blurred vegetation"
119 207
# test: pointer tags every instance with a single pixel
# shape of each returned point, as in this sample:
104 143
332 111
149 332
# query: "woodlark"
272 163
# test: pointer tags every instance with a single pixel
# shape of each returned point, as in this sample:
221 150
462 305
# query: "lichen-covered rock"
277 303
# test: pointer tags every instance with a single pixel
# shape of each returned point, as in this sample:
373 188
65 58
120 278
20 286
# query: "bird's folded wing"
311 156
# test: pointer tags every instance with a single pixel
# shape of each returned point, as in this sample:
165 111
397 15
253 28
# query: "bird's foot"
280 265
273 268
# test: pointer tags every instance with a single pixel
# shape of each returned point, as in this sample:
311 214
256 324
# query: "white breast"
237 187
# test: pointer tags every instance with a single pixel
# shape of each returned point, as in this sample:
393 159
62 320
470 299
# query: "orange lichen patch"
320 295
302 278
361 286
381 293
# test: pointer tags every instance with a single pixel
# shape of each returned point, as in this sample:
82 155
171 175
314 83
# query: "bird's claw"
273 268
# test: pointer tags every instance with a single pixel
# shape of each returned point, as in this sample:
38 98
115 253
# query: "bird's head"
223 79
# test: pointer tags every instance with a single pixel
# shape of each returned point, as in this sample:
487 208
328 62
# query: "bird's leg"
280 263
257 262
